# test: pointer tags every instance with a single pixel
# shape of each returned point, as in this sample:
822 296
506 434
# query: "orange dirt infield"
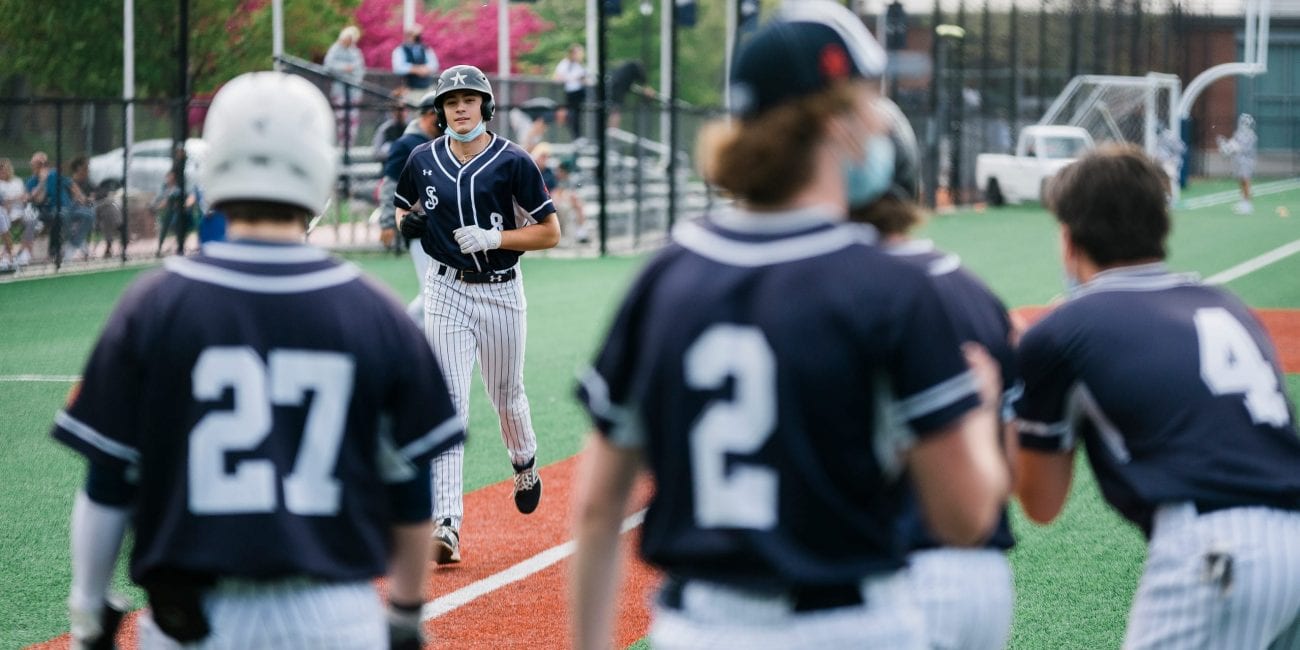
1282 324
532 612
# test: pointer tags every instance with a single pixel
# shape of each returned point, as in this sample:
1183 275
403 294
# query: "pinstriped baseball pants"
1189 599
285 615
463 322
966 596
716 616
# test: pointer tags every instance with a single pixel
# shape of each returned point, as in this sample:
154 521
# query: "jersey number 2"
1232 363
250 485
733 494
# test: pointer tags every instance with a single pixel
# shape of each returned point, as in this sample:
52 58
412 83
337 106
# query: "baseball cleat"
528 487
446 543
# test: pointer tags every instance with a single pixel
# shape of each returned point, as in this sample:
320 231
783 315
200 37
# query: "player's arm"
604 485
533 237
100 514
1046 439
1043 483
531 196
959 471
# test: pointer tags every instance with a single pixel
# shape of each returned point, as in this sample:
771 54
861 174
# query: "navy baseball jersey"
499 188
977 315
762 364
1174 387
263 396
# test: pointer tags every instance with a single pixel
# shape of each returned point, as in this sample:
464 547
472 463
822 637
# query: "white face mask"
468 137
868 179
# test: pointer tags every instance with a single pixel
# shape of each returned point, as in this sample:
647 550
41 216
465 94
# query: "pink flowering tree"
464 35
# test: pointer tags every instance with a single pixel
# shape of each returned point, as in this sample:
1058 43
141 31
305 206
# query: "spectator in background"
563 193
389 130
419 131
572 72
13 197
345 61
529 121
417 64
51 192
40 164
176 210
1241 149
82 210
626 77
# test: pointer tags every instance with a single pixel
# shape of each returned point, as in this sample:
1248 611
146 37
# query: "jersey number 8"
310 488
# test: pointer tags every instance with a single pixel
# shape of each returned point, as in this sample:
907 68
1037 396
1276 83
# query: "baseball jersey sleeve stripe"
1045 436
405 202
539 208
441 437
99 441
938 396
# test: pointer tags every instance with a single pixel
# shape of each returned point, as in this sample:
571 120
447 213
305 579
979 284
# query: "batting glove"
96 629
404 629
414 225
473 239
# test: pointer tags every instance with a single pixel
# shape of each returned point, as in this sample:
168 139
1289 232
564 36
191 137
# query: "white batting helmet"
270 138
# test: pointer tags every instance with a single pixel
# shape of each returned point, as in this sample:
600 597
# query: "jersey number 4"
1231 363
284 380
733 494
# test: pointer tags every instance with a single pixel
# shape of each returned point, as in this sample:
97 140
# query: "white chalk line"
467 594
1234 195
55 379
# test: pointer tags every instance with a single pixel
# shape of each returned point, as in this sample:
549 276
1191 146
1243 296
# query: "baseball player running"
476 201
1175 389
271 462
945 578
744 371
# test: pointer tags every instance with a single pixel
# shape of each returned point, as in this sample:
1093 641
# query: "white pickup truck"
1041 152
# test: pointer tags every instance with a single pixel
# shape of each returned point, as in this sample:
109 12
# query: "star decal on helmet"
458 78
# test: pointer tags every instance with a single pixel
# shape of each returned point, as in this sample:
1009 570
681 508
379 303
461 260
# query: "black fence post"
124 228
56 216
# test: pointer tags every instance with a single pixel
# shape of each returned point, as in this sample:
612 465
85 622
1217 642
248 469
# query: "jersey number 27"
1231 363
284 380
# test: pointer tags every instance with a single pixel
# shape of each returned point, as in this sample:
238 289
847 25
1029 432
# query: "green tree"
74 48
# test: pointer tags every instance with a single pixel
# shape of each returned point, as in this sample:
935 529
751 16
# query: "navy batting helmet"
463 77
906 185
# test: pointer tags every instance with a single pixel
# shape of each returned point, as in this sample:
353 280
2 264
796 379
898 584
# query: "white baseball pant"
1228 579
289 614
966 596
717 616
422 261
465 321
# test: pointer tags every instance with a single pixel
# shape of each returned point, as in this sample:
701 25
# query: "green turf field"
1074 579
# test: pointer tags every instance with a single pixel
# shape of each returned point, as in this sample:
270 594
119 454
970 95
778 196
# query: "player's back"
772 349
978 316
1176 389
271 374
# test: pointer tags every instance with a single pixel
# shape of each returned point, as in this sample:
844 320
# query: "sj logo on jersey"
430 198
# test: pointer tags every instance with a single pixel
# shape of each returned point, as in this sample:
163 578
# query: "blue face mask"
867 180
474 133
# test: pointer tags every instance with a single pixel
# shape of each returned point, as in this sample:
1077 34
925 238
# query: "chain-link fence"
73 193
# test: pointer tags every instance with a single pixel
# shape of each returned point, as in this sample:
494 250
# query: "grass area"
1074 579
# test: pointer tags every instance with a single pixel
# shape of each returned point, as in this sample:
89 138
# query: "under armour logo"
427 172
458 78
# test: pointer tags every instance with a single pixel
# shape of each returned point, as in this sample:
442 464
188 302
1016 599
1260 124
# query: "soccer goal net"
1129 109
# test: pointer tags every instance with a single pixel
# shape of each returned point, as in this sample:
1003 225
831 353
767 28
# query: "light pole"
943 34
